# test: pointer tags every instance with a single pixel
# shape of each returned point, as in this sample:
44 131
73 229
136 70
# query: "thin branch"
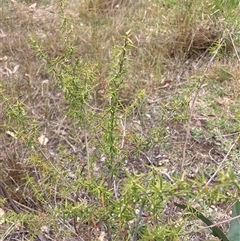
234 46
213 225
194 102
137 223
224 159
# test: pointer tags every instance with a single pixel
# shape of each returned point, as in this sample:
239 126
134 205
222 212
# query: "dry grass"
174 50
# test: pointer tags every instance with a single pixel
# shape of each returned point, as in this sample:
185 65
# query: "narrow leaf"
234 231
217 232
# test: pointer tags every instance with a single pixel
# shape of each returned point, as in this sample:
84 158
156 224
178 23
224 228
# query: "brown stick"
195 99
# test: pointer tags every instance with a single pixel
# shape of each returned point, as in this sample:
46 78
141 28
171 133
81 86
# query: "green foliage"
197 133
234 231
111 137
215 230
226 5
119 207
93 182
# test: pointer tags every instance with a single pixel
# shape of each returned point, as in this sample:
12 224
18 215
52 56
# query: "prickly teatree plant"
106 198
87 162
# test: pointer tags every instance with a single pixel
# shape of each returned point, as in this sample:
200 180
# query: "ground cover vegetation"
120 119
